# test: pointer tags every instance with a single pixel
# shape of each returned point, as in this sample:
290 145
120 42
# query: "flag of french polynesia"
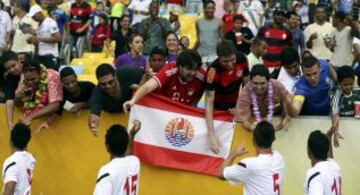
174 135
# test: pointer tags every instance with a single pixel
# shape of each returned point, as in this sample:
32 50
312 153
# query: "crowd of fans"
251 58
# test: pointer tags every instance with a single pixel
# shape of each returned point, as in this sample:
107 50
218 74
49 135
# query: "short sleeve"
54 87
103 185
8 25
54 28
96 102
243 106
210 79
163 75
10 172
260 8
314 185
335 102
236 174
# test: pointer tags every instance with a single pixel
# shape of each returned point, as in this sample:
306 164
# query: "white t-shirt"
5 27
253 60
252 11
46 29
261 175
323 178
319 49
19 168
139 5
119 177
288 81
343 46
20 43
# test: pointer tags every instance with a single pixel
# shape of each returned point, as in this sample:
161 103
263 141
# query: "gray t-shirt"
209 36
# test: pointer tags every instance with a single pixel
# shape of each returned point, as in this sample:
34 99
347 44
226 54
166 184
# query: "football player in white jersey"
260 175
324 178
18 169
121 175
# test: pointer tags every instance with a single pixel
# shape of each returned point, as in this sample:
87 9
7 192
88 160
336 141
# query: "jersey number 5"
276 183
130 185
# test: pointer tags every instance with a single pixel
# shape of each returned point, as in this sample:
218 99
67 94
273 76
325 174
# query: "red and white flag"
174 135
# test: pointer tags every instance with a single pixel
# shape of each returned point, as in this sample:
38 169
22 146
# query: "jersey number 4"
130 185
276 183
335 188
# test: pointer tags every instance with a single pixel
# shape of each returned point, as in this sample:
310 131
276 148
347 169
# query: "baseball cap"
34 10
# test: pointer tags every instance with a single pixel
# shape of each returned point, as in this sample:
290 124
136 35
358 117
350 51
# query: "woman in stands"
134 57
171 44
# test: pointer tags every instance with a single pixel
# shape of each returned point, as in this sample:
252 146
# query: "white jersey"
19 168
323 179
119 177
261 175
45 30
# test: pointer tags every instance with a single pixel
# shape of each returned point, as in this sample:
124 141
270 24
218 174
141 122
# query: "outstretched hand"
241 150
136 127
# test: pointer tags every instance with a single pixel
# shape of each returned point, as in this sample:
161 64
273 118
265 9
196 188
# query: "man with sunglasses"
113 89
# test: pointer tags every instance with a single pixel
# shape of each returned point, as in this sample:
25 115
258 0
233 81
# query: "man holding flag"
182 82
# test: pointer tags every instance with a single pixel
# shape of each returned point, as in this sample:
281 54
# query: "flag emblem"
179 132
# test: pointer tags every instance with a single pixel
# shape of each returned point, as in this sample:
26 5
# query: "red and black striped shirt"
79 15
277 39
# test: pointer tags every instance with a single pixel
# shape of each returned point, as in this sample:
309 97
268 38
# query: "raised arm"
148 87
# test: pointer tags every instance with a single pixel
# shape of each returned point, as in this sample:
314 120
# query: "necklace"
255 103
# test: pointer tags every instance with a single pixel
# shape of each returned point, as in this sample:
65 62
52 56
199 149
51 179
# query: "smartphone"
24 28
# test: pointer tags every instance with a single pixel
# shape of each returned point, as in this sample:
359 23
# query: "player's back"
19 168
323 179
261 175
119 177
266 174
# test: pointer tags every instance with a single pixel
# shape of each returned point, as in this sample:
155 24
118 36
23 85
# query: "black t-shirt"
100 100
243 47
121 42
86 90
11 83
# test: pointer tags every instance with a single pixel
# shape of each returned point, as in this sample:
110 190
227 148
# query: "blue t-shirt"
317 100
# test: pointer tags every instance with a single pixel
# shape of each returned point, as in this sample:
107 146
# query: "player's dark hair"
188 59
288 56
345 72
20 136
264 134
260 70
309 62
117 140
319 144
67 71
225 48
104 69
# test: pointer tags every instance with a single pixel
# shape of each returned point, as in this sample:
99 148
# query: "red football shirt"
173 87
226 83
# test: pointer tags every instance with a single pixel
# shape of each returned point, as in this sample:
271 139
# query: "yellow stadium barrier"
82 61
69 157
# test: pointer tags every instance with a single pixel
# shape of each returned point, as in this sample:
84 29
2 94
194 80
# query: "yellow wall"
69 157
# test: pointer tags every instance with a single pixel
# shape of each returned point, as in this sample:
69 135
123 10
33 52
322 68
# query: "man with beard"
113 89
182 82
